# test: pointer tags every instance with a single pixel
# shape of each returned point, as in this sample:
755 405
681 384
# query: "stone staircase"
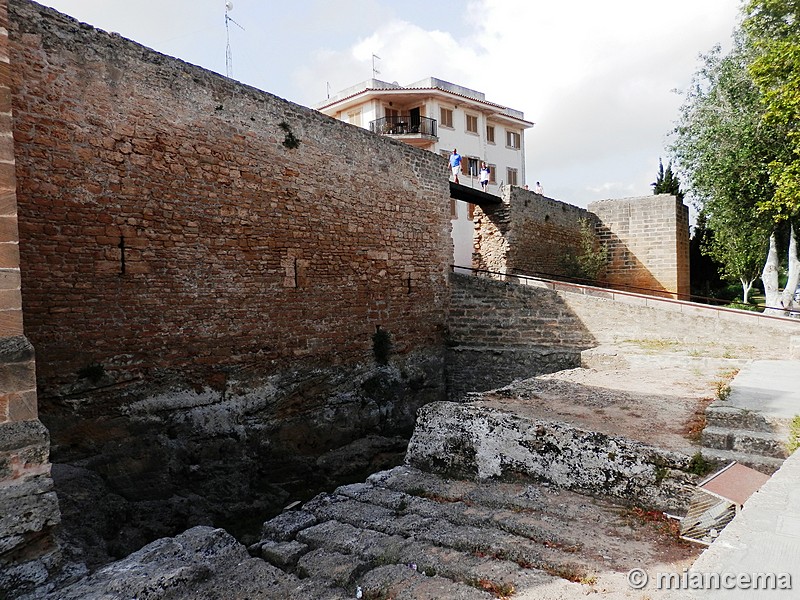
751 425
409 534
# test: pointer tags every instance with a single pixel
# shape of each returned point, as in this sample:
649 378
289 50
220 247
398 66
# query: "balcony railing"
404 125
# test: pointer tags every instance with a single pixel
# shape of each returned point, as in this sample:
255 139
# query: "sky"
601 80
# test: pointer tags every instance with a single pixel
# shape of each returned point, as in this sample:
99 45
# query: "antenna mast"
374 68
228 54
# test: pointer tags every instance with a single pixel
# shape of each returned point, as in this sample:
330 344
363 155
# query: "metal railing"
584 285
404 125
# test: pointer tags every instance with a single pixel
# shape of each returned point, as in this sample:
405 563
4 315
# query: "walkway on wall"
468 194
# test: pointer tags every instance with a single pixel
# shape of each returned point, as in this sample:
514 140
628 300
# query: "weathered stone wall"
28 506
648 242
528 233
204 266
647 238
615 317
498 332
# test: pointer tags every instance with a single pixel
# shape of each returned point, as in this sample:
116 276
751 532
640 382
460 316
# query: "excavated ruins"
442 526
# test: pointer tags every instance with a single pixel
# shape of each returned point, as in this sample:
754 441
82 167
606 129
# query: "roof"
735 483
375 87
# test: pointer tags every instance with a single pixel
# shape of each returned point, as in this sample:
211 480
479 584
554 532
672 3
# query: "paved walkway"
771 387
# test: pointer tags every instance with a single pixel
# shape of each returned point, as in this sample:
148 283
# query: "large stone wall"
28 506
499 332
648 242
528 233
204 266
646 239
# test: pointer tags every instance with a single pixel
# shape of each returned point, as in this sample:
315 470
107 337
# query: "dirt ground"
658 400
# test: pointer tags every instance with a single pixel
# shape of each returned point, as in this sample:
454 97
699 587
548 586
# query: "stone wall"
616 317
28 506
647 239
528 233
204 266
498 332
648 242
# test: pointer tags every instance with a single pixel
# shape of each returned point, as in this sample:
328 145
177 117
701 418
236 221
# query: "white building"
440 116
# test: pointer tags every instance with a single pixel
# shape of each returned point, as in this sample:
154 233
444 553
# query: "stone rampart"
204 266
646 239
498 332
527 232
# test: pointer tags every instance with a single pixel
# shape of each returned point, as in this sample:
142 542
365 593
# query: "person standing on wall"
539 189
455 163
484 176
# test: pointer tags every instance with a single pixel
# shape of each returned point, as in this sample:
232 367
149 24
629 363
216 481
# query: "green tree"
725 147
772 28
667 182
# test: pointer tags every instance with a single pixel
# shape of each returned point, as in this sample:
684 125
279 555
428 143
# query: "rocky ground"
653 398
407 534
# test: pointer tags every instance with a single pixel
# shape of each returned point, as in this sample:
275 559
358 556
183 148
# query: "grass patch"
698 465
657 345
794 434
498 590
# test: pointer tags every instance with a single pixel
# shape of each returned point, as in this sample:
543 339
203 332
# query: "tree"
725 147
772 28
705 271
667 182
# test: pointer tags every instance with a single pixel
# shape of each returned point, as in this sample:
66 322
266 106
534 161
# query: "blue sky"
597 78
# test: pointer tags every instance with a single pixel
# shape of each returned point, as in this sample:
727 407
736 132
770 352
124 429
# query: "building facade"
440 116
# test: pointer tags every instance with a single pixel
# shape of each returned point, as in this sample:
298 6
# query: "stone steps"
764 464
744 441
718 414
408 534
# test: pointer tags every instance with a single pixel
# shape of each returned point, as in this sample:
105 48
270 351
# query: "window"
392 113
472 124
470 211
512 175
512 139
354 118
445 117
473 167
490 134
492 173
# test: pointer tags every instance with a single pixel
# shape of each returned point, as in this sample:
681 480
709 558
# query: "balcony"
410 127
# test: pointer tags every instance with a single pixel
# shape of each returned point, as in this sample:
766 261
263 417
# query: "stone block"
283 555
286 525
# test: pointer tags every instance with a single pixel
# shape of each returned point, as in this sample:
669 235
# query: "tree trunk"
746 287
769 276
794 273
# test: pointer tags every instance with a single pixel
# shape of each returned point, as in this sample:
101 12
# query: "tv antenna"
374 68
228 54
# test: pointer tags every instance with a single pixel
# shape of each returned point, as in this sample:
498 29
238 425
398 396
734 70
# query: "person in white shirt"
484 176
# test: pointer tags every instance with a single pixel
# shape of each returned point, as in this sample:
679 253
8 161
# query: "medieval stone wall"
646 239
204 266
176 215
528 233
648 242
498 332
